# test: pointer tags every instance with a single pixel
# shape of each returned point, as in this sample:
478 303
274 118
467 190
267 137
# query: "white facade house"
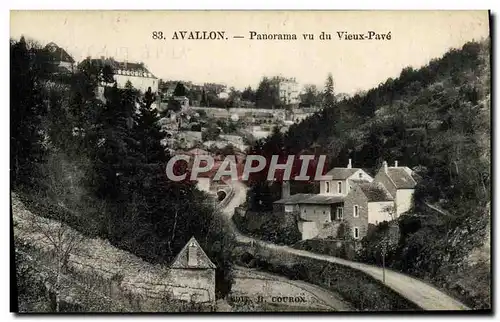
138 75
288 91
380 211
400 183
223 95
203 184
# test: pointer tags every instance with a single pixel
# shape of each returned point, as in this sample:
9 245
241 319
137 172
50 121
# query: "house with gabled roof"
64 62
315 210
192 256
400 183
192 275
340 180
351 195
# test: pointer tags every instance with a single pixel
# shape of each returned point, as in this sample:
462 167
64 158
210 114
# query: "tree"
267 95
248 95
147 127
60 239
180 90
27 107
211 133
329 93
310 97
204 100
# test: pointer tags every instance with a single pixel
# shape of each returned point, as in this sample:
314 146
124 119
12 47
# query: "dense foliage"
276 228
89 153
435 120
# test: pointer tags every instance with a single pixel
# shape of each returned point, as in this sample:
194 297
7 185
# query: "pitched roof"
181 260
341 173
402 178
125 68
358 181
59 53
375 192
311 198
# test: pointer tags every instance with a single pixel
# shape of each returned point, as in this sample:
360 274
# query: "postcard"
250 161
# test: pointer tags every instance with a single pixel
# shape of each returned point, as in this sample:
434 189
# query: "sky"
416 37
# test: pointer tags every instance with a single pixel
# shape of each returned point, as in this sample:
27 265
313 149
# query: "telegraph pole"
384 250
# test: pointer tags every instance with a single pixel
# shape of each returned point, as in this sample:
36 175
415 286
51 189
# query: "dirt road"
274 289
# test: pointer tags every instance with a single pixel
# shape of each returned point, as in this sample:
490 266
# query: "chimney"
349 165
285 189
384 164
395 164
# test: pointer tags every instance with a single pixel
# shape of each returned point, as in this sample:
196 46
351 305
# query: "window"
192 255
327 187
361 175
356 211
356 232
340 213
339 187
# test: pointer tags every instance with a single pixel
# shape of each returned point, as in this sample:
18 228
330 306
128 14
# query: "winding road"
272 287
420 293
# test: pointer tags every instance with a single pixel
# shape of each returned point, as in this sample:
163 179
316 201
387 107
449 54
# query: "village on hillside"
134 189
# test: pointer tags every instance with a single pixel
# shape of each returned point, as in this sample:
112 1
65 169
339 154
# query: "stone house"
313 212
192 275
365 204
350 195
319 212
400 183
64 62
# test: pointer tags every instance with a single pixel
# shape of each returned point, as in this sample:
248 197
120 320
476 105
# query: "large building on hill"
351 195
135 73
288 90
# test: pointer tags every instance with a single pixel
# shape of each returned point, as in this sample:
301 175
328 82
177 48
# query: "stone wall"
192 285
356 197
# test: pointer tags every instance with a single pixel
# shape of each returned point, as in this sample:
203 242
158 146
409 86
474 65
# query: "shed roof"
375 192
311 198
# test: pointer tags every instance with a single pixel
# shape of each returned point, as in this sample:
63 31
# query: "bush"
268 226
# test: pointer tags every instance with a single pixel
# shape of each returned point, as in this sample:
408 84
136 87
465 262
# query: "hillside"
436 120
88 153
